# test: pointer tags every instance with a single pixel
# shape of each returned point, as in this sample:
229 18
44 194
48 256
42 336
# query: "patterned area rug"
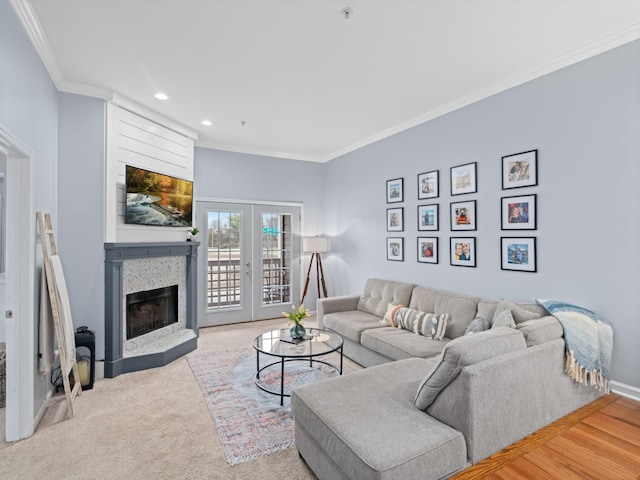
250 422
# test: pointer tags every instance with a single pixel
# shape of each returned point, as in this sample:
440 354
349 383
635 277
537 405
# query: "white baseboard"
626 390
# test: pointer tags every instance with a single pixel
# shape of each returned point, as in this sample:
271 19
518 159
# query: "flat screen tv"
157 199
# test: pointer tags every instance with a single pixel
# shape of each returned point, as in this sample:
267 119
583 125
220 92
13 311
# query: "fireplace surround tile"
130 267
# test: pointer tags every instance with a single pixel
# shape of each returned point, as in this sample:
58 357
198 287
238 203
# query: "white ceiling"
308 83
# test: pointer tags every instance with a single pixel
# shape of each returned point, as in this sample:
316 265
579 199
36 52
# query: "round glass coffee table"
278 344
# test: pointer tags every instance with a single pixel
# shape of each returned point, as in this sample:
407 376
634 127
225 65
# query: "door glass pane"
224 271
276 258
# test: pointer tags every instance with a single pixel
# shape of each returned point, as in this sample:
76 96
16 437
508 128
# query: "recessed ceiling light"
162 96
207 123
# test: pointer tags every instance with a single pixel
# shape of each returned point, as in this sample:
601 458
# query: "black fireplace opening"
150 310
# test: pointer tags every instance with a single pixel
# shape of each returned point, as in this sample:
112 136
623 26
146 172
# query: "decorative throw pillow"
519 314
463 351
504 319
407 318
477 325
439 326
540 330
388 318
430 322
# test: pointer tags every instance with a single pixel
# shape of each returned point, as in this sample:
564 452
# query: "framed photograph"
520 170
395 190
463 215
463 251
518 253
395 219
428 217
428 185
395 249
463 179
519 213
428 249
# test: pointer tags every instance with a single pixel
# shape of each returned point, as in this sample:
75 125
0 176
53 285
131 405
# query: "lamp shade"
315 244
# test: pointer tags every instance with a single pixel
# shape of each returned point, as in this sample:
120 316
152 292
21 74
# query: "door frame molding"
21 419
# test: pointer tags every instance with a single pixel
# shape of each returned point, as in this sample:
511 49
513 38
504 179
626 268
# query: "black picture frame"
461 256
395 190
395 249
427 250
395 219
463 216
464 179
520 170
518 254
429 185
429 217
519 212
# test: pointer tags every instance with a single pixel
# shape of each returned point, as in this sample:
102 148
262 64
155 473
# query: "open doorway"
18 312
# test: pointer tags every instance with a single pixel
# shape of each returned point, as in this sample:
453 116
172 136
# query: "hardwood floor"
600 441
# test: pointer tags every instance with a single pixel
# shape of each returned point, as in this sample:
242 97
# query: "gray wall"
585 122
29 110
80 203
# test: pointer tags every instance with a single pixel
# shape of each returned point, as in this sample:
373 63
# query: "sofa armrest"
335 304
501 400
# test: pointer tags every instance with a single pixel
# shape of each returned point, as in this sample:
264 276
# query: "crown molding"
587 51
26 15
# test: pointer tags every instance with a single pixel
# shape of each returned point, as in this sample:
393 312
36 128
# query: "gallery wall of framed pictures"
518 214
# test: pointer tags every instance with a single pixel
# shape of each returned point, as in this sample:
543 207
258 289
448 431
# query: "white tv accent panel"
135 140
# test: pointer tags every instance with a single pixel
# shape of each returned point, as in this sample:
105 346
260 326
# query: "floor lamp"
315 246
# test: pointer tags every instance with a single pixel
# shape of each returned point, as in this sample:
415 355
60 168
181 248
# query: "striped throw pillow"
433 325
408 318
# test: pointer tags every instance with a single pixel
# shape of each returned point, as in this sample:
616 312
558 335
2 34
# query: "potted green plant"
193 231
297 330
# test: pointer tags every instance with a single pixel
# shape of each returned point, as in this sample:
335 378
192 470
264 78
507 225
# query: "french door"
249 261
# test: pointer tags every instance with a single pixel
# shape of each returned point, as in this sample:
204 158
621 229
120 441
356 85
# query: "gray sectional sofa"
428 408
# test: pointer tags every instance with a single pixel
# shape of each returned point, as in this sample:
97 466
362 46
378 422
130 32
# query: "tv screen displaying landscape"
157 199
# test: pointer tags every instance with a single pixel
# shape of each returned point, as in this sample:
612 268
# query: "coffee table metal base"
282 362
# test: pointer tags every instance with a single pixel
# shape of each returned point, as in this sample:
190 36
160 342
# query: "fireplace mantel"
115 256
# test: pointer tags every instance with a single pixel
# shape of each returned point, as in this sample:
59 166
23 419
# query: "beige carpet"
152 424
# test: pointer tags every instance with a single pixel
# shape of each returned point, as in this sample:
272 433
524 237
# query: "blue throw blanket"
589 343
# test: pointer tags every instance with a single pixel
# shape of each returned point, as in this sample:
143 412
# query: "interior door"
250 261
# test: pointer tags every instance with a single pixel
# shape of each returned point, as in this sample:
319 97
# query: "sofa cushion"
432 325
385 439
487 308
390 315
408 318
463 351
378 293
540 330
519 313
504 319
479 324
461 308
397 343
351 324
